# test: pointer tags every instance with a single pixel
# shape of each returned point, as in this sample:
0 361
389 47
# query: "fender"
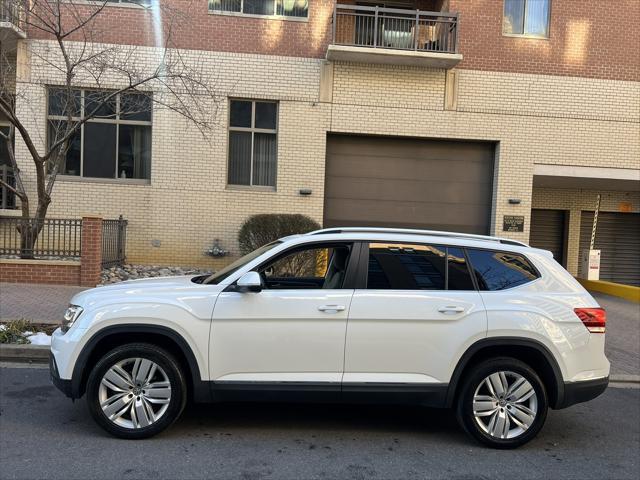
201 390
507 342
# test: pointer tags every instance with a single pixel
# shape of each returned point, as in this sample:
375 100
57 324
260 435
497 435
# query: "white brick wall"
533 118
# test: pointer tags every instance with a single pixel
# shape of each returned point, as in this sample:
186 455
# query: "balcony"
394 36
11 20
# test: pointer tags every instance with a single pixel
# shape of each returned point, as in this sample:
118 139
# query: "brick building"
503 117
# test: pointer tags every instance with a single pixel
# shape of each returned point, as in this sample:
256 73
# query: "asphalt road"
44 435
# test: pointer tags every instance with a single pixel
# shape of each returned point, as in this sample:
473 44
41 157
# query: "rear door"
418 312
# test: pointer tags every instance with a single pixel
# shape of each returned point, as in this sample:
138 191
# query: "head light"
70 316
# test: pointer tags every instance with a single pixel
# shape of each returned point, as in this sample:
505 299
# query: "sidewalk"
47 303
38 303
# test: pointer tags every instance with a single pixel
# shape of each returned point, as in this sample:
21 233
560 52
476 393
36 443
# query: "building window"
529 18
252 143
114 143
142 3
271 8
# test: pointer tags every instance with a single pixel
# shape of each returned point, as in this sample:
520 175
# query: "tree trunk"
30 228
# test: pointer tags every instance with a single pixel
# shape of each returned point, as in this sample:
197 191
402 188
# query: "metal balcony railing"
12 11
394 28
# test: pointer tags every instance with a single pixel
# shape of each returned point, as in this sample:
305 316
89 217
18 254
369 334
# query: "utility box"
590 265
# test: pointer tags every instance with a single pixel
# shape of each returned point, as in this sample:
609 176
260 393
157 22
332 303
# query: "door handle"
331 308
451 309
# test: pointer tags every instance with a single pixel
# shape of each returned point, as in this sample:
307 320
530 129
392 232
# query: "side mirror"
250 282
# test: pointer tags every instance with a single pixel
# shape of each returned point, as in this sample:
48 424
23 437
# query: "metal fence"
394 28
114 242
54 237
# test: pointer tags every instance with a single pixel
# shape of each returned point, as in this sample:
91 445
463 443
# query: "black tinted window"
500 270
406 267
459 274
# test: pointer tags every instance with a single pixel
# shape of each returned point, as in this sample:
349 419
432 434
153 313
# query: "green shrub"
261 229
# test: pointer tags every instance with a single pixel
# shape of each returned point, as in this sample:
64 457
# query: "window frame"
353 265
253 130
117 121
497 250
275 16
524 22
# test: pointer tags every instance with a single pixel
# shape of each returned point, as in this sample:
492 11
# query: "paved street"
44 435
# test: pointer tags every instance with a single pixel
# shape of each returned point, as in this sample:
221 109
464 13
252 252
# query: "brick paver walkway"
39 303
46 304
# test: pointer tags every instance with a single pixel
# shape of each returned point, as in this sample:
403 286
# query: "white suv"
489 326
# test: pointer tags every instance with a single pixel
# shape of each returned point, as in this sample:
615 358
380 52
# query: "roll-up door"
399 182
618 238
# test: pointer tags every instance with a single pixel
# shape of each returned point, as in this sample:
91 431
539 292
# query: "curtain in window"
239 158
264 159
536 22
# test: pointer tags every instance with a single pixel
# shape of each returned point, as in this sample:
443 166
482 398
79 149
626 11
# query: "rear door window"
403 266
500 270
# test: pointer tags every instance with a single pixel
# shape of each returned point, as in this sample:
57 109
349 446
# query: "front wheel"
136 391
502 403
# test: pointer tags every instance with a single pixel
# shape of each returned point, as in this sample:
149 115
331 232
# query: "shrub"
261 229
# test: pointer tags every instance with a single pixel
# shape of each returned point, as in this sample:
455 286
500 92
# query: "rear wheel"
502 403
136 391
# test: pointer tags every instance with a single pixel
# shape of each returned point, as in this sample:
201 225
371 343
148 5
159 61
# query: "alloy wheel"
505 405
134 393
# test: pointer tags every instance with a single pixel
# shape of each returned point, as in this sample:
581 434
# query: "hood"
146 289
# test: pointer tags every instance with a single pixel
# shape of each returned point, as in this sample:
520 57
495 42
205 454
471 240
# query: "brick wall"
40 271
595 39
546 119
191 26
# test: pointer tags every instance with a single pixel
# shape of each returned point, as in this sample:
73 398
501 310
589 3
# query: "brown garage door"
548 231
434 184
618 238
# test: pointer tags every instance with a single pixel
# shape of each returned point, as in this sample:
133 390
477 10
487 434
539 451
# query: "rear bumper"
578 392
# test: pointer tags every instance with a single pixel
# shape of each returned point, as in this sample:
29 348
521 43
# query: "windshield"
238 264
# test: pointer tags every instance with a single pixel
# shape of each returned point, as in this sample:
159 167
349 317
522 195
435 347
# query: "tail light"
595 319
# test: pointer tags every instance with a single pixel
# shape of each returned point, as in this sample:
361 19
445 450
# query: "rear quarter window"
496 270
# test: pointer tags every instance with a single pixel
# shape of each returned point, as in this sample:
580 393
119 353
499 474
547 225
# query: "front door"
418 312
293 331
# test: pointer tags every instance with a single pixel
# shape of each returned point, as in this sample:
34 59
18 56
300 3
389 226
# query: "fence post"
91 251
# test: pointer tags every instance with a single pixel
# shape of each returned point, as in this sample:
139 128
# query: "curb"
24 353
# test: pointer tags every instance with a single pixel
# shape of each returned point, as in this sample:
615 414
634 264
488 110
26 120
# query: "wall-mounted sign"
513 223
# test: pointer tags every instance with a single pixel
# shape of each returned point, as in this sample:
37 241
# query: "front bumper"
63 385
578 392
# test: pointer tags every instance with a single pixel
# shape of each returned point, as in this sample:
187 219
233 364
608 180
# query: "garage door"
441 185
548 231
618 237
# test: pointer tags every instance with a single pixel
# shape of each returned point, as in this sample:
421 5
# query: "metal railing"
7 197
114 242
394 28
12 11
31 238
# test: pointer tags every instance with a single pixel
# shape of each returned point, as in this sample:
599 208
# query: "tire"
141 413
501 420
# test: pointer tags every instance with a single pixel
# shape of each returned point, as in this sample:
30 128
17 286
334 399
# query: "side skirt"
431 395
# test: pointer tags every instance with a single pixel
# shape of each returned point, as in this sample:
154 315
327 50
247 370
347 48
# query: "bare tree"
121 74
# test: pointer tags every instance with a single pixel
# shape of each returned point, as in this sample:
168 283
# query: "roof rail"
410 231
